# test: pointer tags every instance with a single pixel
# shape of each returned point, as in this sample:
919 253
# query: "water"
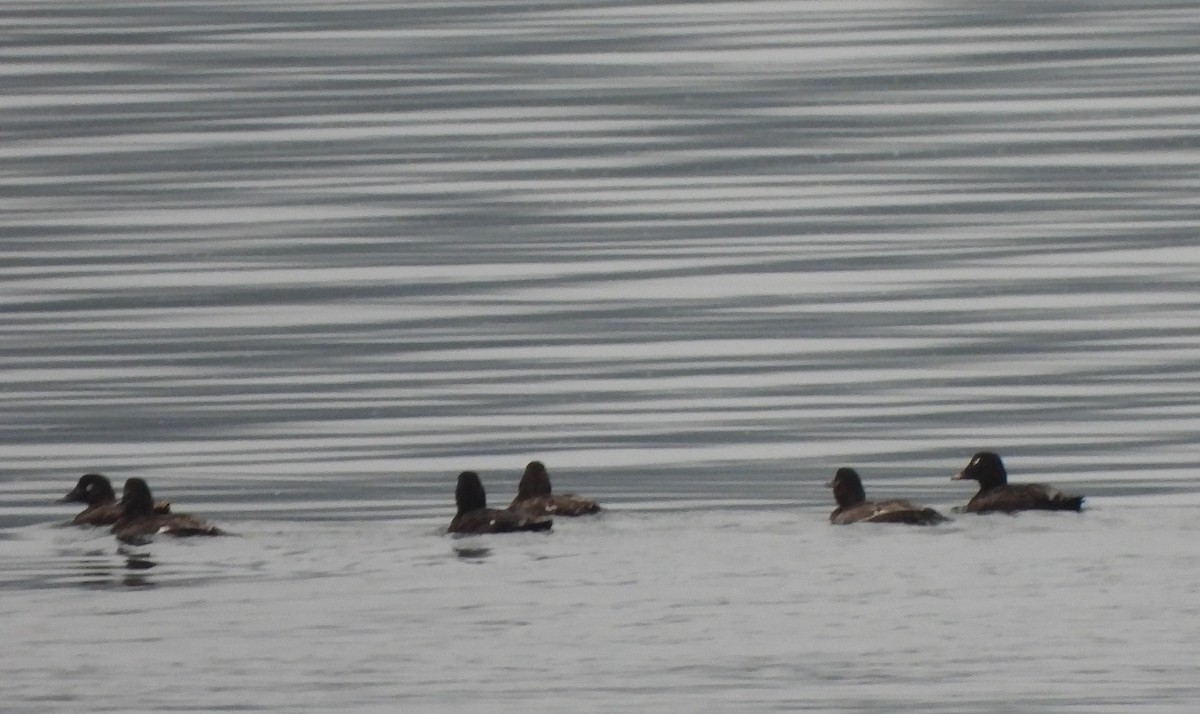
298 264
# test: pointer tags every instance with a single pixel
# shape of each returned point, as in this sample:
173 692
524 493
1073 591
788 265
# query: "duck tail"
930 517
1068 503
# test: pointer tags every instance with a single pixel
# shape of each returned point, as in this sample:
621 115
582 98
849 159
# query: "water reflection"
94 569
98 569
472 554
136 563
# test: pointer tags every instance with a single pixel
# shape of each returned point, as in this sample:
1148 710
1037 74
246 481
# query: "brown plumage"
996 494
103 509
474 516
139 521
534 496
853 506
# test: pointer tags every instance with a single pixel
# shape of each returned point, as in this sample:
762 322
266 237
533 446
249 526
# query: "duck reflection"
474 554
138 562
98 569
136 565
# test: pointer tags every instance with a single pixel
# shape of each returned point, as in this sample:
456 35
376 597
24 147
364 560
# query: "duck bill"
75 496
960 476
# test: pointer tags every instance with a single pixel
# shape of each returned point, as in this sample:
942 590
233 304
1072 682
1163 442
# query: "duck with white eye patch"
997 495
853 506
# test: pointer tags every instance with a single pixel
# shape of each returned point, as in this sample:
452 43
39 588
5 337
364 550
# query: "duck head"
468 494
986 468
847 487
92 489
136 500
535 481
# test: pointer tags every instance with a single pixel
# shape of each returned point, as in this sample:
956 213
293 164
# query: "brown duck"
139 521
853 506
534 497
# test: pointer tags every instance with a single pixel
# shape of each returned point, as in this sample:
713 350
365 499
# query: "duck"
139 521
534 497
103 509
475 517
996 494
853 506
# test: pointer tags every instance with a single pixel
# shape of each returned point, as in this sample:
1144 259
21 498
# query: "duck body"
492 520
534 496
893 511
566 505
103 508
853 506
102 515
474 516
136 530
139 521
996 495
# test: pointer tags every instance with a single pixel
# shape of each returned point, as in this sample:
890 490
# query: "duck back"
104 514
1014 497
142 528
893 511
491 520
566 505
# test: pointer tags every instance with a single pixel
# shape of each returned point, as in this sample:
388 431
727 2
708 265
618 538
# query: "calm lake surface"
298 264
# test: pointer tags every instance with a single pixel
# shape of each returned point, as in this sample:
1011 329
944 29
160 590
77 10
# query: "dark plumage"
997 494
475 517
853 506
534 497
139 520
103 509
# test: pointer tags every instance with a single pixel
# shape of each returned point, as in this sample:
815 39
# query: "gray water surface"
298 264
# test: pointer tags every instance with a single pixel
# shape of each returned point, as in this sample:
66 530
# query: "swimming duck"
997 494
534 497
853 506
103 509
139 520
475 517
